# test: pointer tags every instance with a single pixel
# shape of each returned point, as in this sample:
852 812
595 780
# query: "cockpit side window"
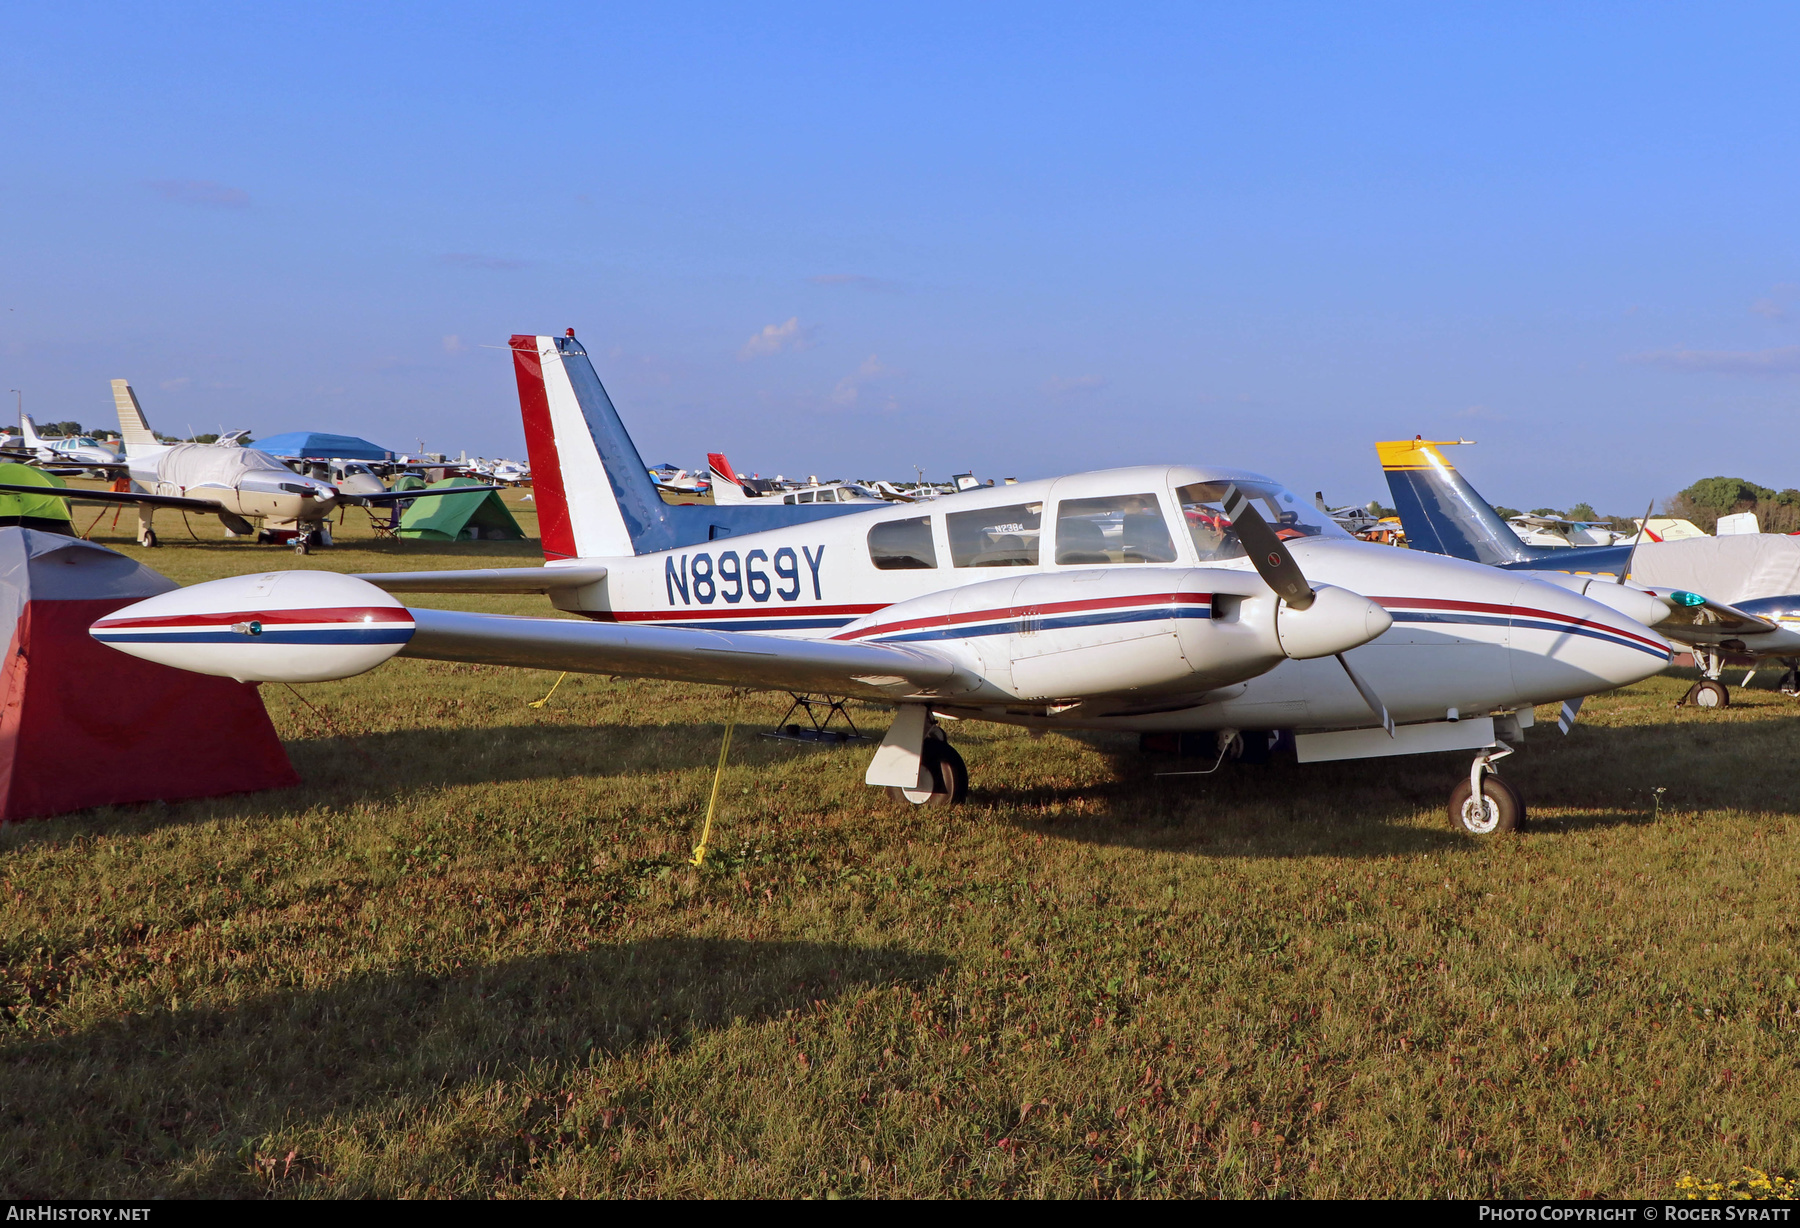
902 545
1203 510
996 536
1116 529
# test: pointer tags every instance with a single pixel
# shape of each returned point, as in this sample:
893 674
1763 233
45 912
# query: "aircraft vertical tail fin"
1440 511
28 432
594 496
726 489
134 428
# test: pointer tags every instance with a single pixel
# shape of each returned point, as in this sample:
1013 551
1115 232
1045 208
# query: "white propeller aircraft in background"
1153 599
234 483
74 450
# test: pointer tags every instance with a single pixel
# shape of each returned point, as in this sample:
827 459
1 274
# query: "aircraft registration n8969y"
1156 598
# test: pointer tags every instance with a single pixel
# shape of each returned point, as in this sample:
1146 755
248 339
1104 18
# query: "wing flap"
723 658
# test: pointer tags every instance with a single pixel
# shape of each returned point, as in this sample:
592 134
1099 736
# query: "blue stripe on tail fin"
1441 512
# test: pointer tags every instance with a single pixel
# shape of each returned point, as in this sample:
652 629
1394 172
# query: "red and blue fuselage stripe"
336 625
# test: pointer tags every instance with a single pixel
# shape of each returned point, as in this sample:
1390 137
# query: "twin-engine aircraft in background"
1443 514
1158 598
237 484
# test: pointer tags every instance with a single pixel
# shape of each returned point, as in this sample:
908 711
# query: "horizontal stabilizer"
488 579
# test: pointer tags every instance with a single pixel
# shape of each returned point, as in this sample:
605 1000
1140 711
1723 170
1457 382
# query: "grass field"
468 957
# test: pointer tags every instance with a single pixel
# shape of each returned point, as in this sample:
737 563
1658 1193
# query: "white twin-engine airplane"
1153 598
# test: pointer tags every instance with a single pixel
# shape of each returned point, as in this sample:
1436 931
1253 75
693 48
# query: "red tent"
82 725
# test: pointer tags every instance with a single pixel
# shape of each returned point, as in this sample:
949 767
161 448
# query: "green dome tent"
480 516
46 513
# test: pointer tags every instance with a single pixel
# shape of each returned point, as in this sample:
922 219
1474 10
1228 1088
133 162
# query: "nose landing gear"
1483 804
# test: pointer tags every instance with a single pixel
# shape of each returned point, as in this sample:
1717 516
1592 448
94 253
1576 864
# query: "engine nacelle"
1336 621
282 626
1145 630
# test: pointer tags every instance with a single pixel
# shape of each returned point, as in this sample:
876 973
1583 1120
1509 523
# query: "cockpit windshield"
1203 511
251 458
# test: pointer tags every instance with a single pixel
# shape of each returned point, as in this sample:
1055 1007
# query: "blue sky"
842 240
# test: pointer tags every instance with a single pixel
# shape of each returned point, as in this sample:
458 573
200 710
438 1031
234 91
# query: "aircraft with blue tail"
1443 514
1156 599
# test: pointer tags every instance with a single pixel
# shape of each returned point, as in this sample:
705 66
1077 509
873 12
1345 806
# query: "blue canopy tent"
315 445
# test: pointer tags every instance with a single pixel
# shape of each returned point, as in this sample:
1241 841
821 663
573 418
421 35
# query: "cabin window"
806 496
787 499
996 537
1203 509
1116 529
903 545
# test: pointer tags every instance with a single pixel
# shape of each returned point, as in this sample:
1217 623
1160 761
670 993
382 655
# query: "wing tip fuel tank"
284 626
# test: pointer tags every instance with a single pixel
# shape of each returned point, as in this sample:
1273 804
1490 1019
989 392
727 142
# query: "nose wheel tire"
1708 693
949 778
148 540
1500 809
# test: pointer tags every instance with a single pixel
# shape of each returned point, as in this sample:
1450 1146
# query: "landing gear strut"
1711 691
948 774
1483 804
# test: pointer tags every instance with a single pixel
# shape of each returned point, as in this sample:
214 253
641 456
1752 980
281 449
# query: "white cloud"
1063 385
774 338
849 390
1774 304
453 344
177 384
1782 360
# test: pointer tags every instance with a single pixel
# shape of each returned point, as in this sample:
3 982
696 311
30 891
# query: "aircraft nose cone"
1565 645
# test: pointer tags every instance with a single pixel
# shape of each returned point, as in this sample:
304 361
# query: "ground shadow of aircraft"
159 1102
1599 777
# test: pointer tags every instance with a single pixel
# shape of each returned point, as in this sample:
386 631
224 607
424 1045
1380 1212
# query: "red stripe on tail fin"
540 441
722 467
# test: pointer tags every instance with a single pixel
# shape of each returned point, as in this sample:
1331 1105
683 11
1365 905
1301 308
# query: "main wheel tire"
1708 693
949 777
149 539
1501 809
301 546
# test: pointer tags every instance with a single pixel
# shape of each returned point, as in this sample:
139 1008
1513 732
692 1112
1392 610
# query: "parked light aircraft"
729 490
76 450
1443 514
234 483
1155 598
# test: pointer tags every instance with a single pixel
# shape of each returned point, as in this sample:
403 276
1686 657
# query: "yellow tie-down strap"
1416 453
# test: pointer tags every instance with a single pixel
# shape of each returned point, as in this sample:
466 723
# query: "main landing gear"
1483 804
948 774
1711 691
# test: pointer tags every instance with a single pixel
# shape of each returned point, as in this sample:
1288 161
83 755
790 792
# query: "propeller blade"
1570 710
1267 552
1631 556
1368 693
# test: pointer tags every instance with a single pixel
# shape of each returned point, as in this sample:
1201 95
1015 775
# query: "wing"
1706 621
726 658
395 496
116 496
308 626
487 579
